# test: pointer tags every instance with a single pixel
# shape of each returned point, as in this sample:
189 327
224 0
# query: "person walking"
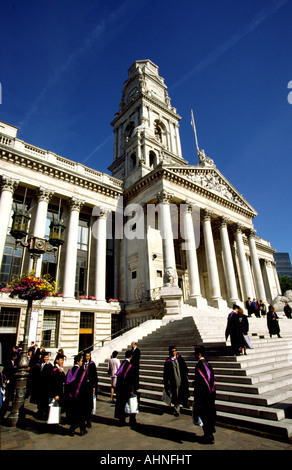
175 379
287 310
135 361
113 365
244 328
91 389
125 389
76 391
273 322
233 330
204 410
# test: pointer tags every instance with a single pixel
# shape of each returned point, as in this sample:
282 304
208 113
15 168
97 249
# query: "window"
49 264
80 277
50 330
134 274
11 263
83 232
133 161
9 317
159 273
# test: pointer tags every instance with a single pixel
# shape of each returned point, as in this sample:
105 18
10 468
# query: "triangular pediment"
211 180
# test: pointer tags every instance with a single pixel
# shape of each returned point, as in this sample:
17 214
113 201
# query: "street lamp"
36 247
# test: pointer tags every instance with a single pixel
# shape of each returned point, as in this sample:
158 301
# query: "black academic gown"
233 329
76 392
125 386
181 396
204 396
57 385
91 381
273 323
135 361
43 391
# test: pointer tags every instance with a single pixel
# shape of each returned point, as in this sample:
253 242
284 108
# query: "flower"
29 286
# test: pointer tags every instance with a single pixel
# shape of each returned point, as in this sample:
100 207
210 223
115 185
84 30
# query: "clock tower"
146 127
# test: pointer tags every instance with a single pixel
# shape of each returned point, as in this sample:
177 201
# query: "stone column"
170 274
196 298
170 293
228 263
245 279
75 206
214 284
259 284
100 268
7 189
44 195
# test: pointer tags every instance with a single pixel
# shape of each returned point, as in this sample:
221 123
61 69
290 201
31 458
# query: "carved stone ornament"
170 277
44 194
164 197
8 183
75 204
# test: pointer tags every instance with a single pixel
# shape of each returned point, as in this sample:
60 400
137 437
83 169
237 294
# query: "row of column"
212 267
44 195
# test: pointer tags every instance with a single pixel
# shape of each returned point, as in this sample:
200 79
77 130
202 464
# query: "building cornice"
60 168
172 175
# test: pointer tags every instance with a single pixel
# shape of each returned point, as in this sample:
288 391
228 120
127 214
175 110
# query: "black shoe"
208 439
89 425
83 432
71 432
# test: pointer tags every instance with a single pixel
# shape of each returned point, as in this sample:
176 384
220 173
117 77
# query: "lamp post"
36 247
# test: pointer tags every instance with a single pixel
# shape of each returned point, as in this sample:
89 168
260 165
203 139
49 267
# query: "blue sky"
64 62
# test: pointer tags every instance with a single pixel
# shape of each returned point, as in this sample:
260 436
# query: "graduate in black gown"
57 381
43 390
76 392
175 379
91 379
233 330
124 389
135 361
204 395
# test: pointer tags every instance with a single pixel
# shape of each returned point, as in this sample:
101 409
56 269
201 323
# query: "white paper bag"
54 413
132 405
94 404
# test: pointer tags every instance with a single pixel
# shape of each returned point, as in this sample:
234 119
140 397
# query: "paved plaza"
157 430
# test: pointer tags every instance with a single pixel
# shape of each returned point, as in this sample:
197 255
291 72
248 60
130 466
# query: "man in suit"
135 361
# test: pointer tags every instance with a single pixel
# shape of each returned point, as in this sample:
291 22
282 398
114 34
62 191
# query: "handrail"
117 333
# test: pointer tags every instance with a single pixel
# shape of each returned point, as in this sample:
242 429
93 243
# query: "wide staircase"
254 391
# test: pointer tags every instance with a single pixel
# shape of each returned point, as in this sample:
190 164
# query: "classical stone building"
154 235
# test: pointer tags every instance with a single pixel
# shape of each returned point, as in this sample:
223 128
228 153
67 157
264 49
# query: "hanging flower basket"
31 287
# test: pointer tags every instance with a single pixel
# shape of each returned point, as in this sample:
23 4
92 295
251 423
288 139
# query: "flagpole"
195 132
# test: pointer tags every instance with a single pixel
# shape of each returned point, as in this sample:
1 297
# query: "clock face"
132 93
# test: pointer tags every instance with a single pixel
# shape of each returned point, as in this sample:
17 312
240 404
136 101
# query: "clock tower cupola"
146 127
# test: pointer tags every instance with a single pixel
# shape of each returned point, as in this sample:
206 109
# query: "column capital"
224 221
44 194
239 228
75 204
252 232
103 212
164 197
187 206
207 214
8 183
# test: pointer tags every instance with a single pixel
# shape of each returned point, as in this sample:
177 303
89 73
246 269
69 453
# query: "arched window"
152 160
160 132
132 162
129 131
